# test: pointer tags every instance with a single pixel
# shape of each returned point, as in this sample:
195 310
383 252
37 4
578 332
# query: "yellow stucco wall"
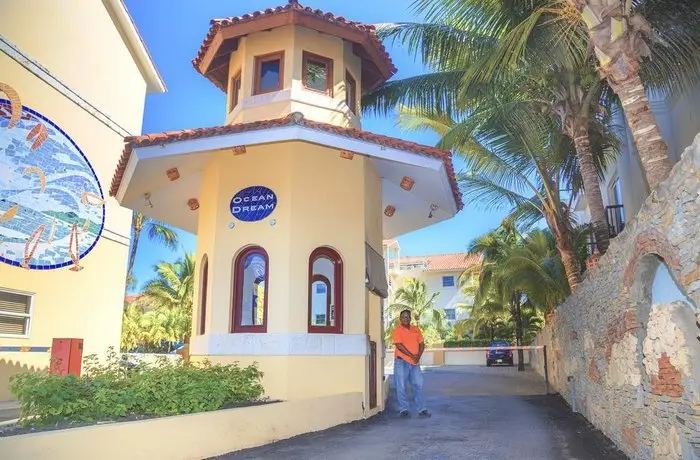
318 205
293 40
87 53
322 200
79 44
201 435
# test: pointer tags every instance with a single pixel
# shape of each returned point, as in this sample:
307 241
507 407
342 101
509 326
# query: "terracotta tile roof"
295 118
131 298
443 262
295 7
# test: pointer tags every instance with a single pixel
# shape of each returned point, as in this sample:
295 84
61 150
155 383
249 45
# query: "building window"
15 314
204 283
450 314
448 281
251 273
235 91
351 92
269 73
325 291
317 73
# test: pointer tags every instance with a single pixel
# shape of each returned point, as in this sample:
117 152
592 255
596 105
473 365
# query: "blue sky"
173 31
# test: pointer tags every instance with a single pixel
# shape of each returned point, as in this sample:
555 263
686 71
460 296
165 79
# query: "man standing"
408 340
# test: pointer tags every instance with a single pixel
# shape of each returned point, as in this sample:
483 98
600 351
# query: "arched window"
204 283
250 272
325 291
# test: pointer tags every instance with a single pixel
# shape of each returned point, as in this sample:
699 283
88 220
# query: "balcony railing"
615 215
616 219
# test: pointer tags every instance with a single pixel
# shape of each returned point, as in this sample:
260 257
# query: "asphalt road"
478 413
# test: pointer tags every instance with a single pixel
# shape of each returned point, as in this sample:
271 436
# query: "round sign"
51 204
253 203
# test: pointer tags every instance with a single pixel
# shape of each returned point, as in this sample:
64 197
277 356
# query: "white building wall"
679 122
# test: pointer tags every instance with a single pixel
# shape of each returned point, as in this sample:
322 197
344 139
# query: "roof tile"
217 24
444 262
295 118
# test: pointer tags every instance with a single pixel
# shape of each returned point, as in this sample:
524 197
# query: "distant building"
624 188
440 272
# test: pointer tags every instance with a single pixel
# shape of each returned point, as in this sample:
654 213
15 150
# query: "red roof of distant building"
131 298
443 262
292 119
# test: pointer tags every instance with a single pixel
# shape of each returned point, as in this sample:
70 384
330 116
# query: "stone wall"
628 364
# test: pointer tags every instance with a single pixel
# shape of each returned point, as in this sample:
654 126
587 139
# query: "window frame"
259 60
28 316
337 288
352 105
204 286
237 315
453 310
452 277
305 57
235 95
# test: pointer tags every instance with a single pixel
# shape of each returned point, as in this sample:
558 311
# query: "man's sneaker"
424 413
404 414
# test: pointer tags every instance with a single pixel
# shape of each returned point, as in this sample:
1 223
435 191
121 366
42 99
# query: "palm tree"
414 296
156 231
634 37
520 276
638 43
570 91
133 332
515 158
164 312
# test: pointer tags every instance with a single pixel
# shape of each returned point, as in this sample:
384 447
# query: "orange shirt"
411 338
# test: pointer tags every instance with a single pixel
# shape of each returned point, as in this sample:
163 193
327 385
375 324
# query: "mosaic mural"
51 203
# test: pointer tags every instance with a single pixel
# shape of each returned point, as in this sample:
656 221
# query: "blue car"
499 354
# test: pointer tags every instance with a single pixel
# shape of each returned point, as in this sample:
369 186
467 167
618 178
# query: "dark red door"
372 375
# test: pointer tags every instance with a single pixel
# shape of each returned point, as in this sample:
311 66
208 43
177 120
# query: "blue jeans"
408 373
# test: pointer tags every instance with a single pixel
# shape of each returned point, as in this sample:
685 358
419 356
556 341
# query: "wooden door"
372 375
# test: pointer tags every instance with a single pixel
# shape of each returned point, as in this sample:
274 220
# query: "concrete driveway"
478 413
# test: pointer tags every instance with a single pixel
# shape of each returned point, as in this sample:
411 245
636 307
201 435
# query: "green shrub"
466 343
112 390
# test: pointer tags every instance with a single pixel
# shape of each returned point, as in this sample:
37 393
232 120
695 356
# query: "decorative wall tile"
51 204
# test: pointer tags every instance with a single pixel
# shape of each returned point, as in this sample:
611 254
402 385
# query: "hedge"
113 390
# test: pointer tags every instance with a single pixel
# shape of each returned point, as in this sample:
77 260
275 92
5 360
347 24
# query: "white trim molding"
279 344
127 28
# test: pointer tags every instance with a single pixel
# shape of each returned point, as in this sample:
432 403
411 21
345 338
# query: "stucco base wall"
192 436
301 377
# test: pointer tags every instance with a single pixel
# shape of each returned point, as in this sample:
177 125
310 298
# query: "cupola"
290 59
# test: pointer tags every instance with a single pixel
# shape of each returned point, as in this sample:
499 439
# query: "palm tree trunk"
136 227
591 186
646 135
519 331
564 240
571 265
614 44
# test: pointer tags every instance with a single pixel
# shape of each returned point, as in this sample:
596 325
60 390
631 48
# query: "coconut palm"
414 296
570 90
163 313
133 331
515 159
156 232
519 276
634 39
638 43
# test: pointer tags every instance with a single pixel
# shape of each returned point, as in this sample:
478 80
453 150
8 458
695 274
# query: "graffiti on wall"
51 204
